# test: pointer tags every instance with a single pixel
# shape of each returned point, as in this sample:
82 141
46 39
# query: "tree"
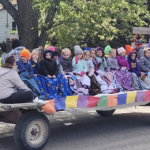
26 17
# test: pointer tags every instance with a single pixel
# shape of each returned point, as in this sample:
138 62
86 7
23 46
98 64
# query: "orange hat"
25 53
128 49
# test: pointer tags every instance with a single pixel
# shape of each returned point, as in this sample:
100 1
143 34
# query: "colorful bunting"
91 101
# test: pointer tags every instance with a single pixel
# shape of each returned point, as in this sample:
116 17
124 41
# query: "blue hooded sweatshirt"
134 65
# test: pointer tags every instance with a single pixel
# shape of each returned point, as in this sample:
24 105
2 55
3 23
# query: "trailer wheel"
32 131
105 113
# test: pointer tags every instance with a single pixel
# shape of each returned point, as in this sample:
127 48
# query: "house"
7 25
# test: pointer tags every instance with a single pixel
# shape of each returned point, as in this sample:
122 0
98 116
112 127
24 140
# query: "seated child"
56 57
66 60
24 65
95 86
137 83
124 77
48 65
101 59
26 72
34 62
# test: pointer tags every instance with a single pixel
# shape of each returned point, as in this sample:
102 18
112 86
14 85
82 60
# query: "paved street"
127 129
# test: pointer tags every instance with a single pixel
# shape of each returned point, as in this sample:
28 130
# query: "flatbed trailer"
32 129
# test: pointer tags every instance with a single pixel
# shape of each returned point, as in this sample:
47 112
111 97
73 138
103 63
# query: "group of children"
89 72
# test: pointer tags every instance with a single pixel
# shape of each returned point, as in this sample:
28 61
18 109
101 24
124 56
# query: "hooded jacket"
9 81
140 52
122 62
144 64
134 65
48 66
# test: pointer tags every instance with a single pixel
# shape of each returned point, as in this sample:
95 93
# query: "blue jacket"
25 67
36 67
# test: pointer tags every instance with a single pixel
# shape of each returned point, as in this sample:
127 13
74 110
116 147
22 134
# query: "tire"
32 131
105 113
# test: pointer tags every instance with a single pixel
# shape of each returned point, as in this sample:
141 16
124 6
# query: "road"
127 129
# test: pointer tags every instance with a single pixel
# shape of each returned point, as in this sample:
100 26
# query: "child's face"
35 56
48 55
87 56
66 55
79 56
99 53
56 57
24 59
147 54
113 54
93 54
122 54
133 56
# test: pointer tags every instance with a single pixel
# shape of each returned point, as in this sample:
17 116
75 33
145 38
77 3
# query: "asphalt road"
127 129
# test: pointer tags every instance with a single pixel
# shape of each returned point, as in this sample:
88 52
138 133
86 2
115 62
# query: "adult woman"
12 89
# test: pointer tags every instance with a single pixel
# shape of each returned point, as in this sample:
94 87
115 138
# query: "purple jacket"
122 62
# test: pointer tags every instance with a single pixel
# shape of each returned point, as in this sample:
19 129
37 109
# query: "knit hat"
87 48
52 48
16 43
121 50
25 53
78 50
56 53
107 49
100 49
128 49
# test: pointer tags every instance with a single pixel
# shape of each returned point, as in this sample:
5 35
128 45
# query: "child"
95 86
34 62
24 65
26 72
101 59
66 60
56 57
48 65
79 65
123 76
137 83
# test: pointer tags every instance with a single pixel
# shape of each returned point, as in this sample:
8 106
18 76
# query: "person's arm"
128 67
38 67
55 69
5 56
110 65
44 69
61 69
74 64
17 82
84 66
31 72
138 71
142 66
105 63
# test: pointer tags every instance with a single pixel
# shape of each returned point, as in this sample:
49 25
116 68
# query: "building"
7 25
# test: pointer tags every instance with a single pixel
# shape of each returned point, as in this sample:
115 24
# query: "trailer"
33 130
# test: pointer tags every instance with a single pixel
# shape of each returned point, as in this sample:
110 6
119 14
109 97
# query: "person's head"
65 53
86 54
48 54
57 49
78 52
138 43
15 43
56 55
52 48
147 52
12 38
25 55
121 51
132 57
100 52
9 62
35 55
112 52
93 53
